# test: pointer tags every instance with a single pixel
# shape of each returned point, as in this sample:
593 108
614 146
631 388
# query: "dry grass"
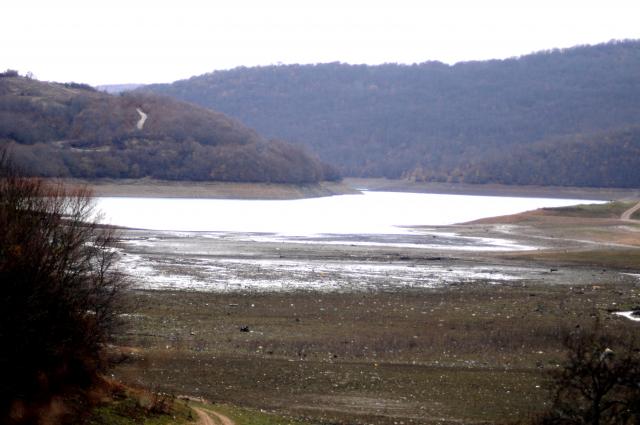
565 192
621 259
608 210
148 187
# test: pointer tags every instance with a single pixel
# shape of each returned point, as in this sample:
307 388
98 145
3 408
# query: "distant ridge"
74 130
437 122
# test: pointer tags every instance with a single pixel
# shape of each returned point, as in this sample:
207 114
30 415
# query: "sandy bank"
214 190
604 194
226 190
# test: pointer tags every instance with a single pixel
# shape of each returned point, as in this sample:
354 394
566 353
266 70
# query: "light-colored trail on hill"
203 418
141 121
211 417
626 216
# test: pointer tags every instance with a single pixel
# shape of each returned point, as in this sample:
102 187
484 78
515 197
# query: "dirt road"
143 118
626 216
210 417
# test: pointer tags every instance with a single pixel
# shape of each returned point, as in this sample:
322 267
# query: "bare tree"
599 383
60 294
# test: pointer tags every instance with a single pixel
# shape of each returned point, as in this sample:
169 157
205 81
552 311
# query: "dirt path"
210 417
143 118
203 418
626 216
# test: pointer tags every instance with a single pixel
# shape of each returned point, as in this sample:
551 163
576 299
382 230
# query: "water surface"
350 242
368 213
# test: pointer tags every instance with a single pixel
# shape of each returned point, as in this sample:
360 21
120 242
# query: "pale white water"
628 315
233 245
238 274
369 213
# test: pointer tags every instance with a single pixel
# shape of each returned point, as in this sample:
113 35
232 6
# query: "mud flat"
268 263
418 328
472 352
568 245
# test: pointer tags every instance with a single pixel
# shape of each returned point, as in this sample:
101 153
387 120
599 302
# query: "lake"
339 243
369 213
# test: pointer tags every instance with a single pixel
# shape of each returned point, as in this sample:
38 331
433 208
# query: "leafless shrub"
161 403
599 383
60 293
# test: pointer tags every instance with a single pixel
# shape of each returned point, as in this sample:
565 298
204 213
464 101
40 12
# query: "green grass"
131 410
246 416
138 409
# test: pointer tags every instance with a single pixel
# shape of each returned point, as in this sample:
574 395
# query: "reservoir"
372 241
369 213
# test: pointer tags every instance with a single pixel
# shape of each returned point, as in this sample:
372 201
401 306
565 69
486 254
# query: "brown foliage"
56 130
60 295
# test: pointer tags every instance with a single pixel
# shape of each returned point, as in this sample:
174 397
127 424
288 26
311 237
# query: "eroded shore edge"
230 190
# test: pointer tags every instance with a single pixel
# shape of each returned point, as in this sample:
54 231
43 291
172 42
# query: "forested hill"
431 121
71 129
584 160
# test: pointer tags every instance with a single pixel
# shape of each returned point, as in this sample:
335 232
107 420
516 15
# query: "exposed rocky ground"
382 332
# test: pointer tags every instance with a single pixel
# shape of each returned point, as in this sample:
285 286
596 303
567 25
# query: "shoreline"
521 247
151 188
563 192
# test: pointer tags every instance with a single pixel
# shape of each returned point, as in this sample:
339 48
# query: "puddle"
628 315
191 263
232 262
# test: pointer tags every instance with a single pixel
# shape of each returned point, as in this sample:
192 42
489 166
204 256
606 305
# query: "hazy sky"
143 41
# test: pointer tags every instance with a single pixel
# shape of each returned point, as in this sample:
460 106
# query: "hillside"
610 159
72 130
431 121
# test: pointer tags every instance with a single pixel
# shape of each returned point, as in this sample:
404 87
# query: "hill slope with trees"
607 159
432 121
74 130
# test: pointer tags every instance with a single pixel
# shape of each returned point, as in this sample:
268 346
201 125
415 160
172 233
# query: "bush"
9 73
80 86
599 383
60 296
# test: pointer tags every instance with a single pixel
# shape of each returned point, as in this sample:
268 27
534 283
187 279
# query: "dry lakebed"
456 323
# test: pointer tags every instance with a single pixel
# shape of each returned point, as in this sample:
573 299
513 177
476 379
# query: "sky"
119 41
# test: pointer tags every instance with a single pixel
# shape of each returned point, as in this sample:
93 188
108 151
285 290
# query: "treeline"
428 119
73 130
273 162
605 160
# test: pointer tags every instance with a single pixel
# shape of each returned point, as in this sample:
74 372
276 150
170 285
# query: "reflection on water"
369 213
